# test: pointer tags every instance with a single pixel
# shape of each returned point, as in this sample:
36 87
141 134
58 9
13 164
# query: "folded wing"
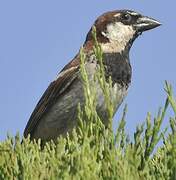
56 89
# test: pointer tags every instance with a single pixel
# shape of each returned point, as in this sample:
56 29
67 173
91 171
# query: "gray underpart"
62 116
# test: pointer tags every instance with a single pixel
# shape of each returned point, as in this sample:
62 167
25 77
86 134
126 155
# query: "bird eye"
126 17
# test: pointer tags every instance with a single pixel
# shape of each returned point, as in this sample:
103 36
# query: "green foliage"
93 151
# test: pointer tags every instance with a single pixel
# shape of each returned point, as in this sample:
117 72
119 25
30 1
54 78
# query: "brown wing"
53 92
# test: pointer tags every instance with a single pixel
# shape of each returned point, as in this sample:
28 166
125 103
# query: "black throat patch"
117 65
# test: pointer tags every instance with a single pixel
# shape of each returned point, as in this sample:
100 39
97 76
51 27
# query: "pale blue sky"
37 38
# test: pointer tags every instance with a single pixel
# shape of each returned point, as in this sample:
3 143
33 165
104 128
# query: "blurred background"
37 38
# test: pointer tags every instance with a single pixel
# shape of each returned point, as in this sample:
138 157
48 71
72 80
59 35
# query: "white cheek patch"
119 32
119 35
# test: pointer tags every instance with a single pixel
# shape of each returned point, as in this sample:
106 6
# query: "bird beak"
145 23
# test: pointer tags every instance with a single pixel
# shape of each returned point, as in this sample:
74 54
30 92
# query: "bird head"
116 30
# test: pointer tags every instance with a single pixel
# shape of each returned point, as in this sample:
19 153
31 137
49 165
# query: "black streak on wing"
53 92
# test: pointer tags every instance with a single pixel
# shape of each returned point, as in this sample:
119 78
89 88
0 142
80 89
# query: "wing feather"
52 93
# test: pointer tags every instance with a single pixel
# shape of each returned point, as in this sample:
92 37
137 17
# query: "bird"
56 112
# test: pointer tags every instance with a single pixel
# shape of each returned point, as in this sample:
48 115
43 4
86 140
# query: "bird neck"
117 65
110 47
